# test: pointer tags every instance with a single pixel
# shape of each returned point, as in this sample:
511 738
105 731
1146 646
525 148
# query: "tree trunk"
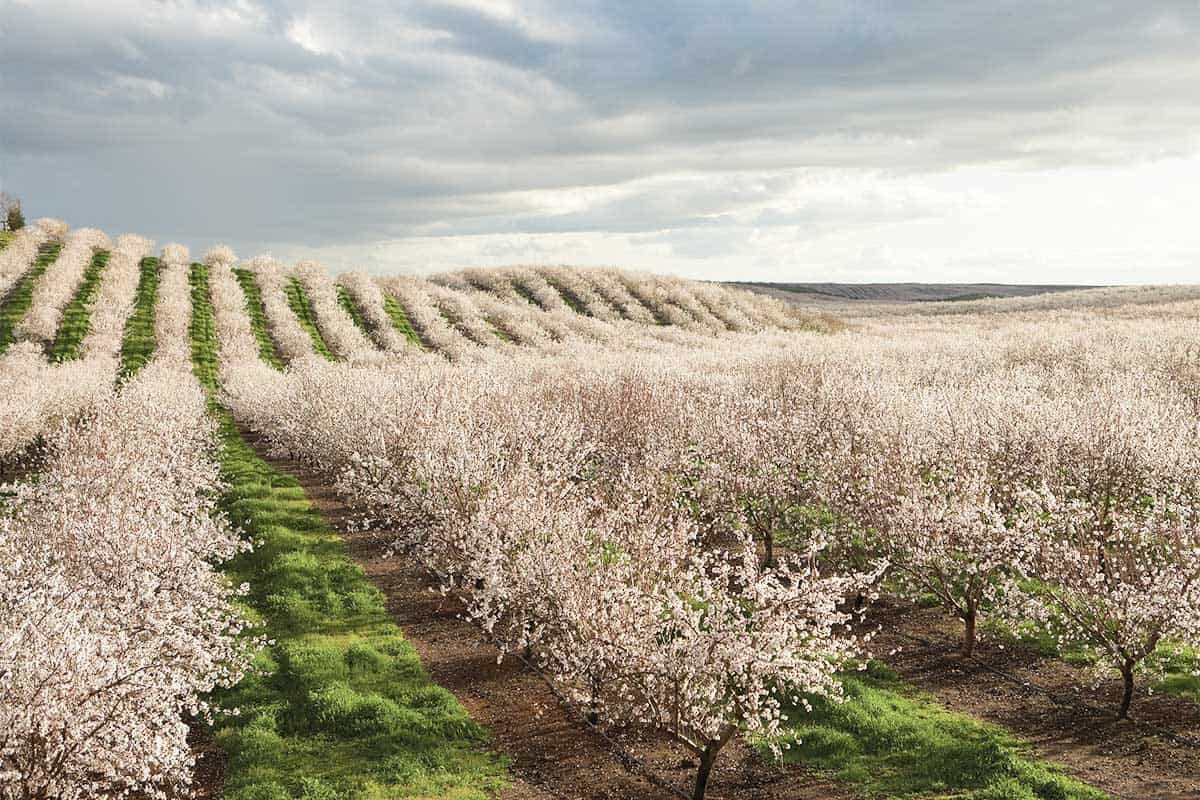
968 643
769 541
706 763
1127 695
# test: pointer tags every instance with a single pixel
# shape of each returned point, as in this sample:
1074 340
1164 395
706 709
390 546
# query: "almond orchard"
687 507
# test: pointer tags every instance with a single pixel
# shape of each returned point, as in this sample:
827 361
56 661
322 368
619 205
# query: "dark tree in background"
10 209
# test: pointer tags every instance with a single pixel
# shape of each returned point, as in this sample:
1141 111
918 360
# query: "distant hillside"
899 292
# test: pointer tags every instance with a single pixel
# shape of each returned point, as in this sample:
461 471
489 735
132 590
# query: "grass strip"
501 333
138 341
345 710
888 740
202 329
299 303
570 298
360 322
76 318
528 294
268 351
14 306
400 320
340 708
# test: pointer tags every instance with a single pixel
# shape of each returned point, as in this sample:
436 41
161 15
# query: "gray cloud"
329 124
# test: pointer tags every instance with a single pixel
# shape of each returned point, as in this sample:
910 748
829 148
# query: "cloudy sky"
753 139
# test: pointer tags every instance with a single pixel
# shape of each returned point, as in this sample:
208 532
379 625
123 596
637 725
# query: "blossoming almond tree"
231 321
705 646
37 397
366 294
173 311
113 622
1114 546
54 289
116 298
339 330
285 328
20 253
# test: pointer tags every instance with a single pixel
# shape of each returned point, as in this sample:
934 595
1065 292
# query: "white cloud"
708 137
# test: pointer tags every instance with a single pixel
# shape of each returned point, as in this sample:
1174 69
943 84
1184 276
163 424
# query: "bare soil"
1050 703
208 776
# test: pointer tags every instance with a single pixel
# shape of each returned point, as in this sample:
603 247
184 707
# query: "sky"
1021 142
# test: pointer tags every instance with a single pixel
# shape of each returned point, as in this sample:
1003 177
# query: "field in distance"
900 292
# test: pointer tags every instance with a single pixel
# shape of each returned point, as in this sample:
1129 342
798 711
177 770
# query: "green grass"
1181 667
138 341
1179 664
887 740
299 303
341 709
14 306
524 292
347 304
400 320
570 298
201 330
501 334
76 318
346 710
5 238
268 351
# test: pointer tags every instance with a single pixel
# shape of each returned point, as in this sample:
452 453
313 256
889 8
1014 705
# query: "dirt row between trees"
554 754
557 755
1050 704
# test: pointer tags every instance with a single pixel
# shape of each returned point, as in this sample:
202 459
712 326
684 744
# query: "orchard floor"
553 755
1051 704
1044 700
208 776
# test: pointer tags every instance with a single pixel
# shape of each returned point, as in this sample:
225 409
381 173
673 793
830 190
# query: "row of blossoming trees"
677 536
115 623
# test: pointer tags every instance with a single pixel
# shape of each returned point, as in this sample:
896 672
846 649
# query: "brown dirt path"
553 755
1049 703
208 776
